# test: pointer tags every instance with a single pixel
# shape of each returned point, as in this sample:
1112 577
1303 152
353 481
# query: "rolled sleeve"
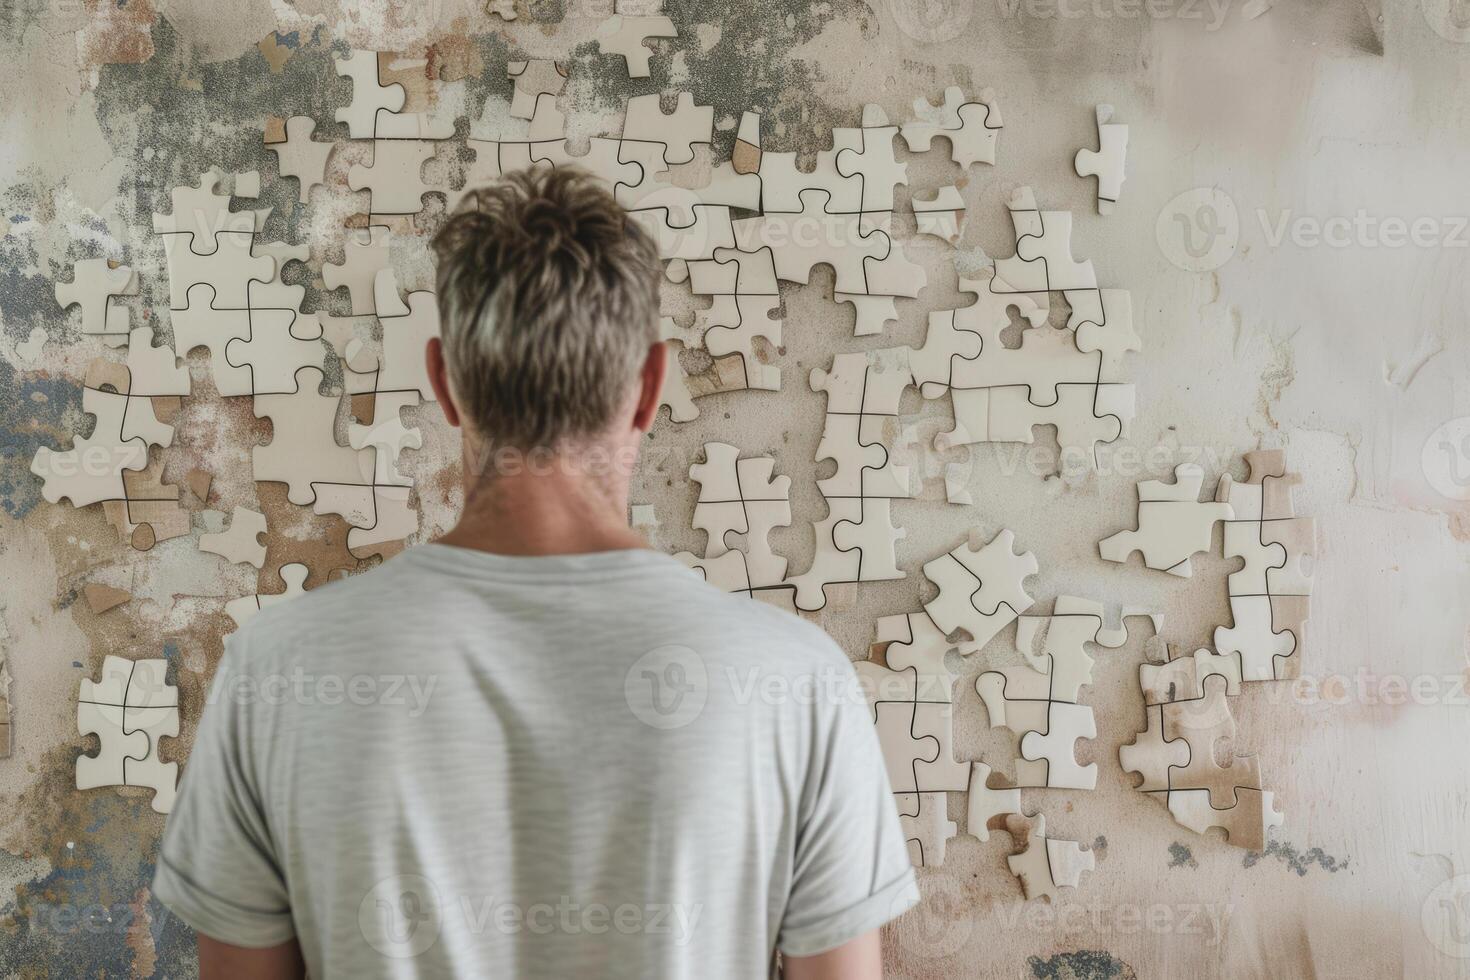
852 872
217 869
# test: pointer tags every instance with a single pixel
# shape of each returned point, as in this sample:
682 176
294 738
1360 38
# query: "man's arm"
857 959
219 961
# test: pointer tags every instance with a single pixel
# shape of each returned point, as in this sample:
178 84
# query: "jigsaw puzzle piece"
533 79
944 344
1048 864
394 179
240 542
1202 723
1253 637
1066 724
281 343
940 213
624 36
1297 539
298 155
941 772
726 572
293 577
359 268
93 284
868 153
688 124
303 451
1246 824
1102 320
981 589
129 710
228 269
1107 162
902 750
914 643
971 126
986 802
927 827
1153 756
92 470
1172 525
368 94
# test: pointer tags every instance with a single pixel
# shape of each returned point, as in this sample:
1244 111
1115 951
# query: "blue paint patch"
291 40
79 920
34 407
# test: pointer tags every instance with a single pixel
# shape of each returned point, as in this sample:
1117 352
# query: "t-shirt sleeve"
852 872
217 867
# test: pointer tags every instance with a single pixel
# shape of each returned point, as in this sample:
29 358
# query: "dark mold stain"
1180 856
1299 861
1084 964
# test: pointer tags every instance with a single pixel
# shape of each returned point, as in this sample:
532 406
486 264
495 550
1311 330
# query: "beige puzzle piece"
93 284
625 36
303 452
1066 724
1048 864
981 589
1172 524
368 95
243 609
358 271
532 80
394 179
985 802
1246 824
940 213
300 156
1108 162
240 541
926 826
971 126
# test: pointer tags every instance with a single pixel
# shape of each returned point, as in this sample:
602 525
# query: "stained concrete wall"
1351 354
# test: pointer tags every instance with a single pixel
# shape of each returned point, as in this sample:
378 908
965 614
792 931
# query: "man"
536 748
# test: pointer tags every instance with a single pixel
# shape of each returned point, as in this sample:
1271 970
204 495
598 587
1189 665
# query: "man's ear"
439 379
650 395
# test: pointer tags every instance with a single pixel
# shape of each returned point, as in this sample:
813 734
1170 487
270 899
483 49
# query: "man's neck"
556 513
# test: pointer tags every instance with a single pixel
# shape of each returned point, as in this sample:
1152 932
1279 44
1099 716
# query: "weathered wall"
1348 355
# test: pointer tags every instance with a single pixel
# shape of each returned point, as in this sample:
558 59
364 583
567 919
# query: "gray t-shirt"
589 765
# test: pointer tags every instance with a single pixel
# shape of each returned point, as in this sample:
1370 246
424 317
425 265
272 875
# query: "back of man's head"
548 302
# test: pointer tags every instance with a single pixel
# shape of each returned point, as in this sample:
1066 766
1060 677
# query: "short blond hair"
548 303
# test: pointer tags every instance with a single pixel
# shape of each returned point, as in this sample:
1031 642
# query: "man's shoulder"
343 606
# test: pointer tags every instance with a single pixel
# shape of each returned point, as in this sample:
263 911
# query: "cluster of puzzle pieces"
739 498
1185 698
1069 377
982 590
129 710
